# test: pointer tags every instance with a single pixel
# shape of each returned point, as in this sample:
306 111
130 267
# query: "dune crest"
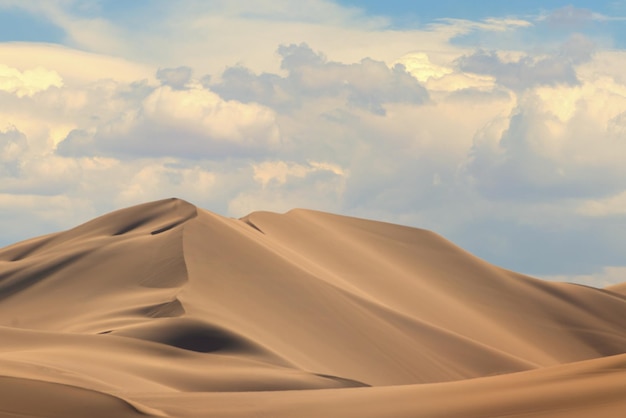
164 307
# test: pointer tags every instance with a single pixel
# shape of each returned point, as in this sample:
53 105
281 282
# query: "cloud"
191 123
13 147
570 16
24 171
62 61
578 48
367 85
28 82
522 73
167 36
278 172
418 64
160 178
458 27
287 185
560 142
170 36
176 78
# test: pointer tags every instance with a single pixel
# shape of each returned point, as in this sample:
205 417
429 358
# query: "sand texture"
165 309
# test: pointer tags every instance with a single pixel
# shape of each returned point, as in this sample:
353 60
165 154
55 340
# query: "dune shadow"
350 383
21 251
189 335
168 227
18 280
252 225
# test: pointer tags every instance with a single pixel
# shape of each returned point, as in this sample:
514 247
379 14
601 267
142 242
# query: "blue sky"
500 125
425 10
21 26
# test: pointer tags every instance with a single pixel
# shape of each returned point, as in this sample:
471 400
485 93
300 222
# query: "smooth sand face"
165 309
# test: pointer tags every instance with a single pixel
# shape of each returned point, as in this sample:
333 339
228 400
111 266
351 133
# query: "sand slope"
166 309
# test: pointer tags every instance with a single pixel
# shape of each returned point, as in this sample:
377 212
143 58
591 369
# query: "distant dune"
165 309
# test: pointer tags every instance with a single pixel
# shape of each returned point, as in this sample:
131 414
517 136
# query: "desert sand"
168 310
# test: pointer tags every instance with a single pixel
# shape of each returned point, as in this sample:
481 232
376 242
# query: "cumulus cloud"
560 142
24 171
191 123
368 84
418 64
522 73
176 78
28 82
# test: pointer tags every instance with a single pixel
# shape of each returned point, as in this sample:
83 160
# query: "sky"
499 125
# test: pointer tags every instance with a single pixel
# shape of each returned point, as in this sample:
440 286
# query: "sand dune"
165 309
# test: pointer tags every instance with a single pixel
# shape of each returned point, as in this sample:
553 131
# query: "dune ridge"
166 309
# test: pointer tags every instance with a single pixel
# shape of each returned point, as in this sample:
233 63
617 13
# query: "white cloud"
228 121
457 27
559 142
288 185
192 123
418 64
28 82
163 178
63 61
279 171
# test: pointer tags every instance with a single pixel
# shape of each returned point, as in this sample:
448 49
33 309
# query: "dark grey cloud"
176 78
300 56
77 143
368 84
240 83
523 73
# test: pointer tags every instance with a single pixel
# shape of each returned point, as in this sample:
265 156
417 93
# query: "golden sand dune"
165 309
